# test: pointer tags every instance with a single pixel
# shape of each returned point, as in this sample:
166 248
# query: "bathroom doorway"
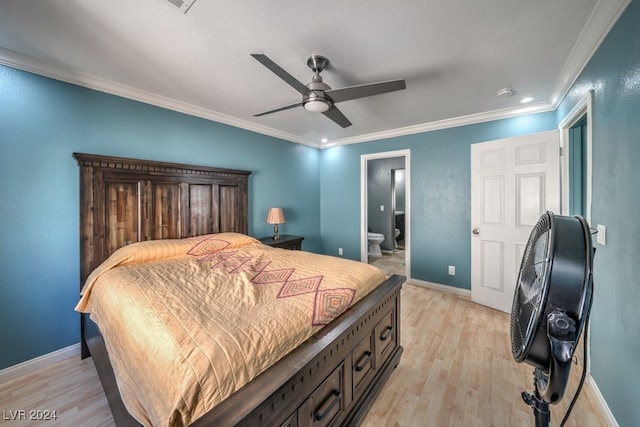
385 204
398 180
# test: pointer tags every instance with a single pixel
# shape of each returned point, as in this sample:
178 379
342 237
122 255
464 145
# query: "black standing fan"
551 306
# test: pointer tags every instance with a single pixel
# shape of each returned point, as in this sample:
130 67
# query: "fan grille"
529 297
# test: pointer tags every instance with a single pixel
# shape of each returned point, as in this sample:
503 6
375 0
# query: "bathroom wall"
379 194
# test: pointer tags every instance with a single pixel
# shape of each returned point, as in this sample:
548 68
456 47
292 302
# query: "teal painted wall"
614 75
440 194
440 204
42 122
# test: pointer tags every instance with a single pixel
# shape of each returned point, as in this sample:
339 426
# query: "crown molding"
602 19
539 107
32 65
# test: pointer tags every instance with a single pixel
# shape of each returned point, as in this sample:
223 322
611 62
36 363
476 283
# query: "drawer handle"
363 361
386 333
327 405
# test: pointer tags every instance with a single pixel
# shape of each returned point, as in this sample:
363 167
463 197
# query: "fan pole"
540 406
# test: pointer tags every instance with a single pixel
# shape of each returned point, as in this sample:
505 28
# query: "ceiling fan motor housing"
316 100
552 299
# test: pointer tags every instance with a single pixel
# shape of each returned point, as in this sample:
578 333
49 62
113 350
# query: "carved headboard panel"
127 200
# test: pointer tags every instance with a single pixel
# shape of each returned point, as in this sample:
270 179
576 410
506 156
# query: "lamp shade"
275 216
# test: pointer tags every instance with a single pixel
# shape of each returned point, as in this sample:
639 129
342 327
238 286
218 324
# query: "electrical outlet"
340 251
452 270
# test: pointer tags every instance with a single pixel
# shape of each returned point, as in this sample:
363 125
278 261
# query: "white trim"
464 293
31 65
445 124
602 404
407 204
33 365
602 19
585 106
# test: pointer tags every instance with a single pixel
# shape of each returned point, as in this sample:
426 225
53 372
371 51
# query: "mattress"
187 322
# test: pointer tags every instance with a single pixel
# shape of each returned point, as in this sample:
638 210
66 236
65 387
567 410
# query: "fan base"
540 408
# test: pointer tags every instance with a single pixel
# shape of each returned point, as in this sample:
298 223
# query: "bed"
330 376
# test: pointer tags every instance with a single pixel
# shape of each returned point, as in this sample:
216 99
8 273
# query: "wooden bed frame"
331 379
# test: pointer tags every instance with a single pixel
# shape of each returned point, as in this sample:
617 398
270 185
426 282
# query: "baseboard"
464 293
33 365
602 404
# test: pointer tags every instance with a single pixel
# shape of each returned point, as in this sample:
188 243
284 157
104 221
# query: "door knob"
476 231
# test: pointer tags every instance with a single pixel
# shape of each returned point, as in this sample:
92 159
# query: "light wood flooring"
390 263
456 370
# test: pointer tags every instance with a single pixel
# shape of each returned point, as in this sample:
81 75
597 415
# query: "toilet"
374 241
396 233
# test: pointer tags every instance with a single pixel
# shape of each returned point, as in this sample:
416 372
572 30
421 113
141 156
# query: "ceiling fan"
318 97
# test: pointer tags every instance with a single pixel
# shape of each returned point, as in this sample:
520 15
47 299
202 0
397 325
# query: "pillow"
154 250
216 242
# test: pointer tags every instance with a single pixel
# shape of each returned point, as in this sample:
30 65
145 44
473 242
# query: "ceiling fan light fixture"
318 97
316 105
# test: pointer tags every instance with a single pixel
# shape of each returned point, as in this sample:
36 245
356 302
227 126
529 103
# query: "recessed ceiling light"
324 140
527 99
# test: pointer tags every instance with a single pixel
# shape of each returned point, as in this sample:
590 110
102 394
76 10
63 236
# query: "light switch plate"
601 236
381 208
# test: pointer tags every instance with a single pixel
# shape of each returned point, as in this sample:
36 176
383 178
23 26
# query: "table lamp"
275 217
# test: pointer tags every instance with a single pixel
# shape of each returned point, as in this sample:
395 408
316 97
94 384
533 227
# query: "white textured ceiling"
454 55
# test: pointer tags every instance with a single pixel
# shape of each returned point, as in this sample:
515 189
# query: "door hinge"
561 151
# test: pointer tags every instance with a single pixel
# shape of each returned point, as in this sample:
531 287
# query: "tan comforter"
188 322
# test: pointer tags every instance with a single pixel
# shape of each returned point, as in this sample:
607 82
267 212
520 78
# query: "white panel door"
513 181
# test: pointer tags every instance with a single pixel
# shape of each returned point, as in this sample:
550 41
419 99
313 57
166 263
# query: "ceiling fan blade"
361 91
336 115
278 71
286 107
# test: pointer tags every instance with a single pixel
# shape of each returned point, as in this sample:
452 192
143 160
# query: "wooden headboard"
128 200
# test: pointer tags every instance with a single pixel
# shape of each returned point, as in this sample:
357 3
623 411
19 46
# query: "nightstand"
284 242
